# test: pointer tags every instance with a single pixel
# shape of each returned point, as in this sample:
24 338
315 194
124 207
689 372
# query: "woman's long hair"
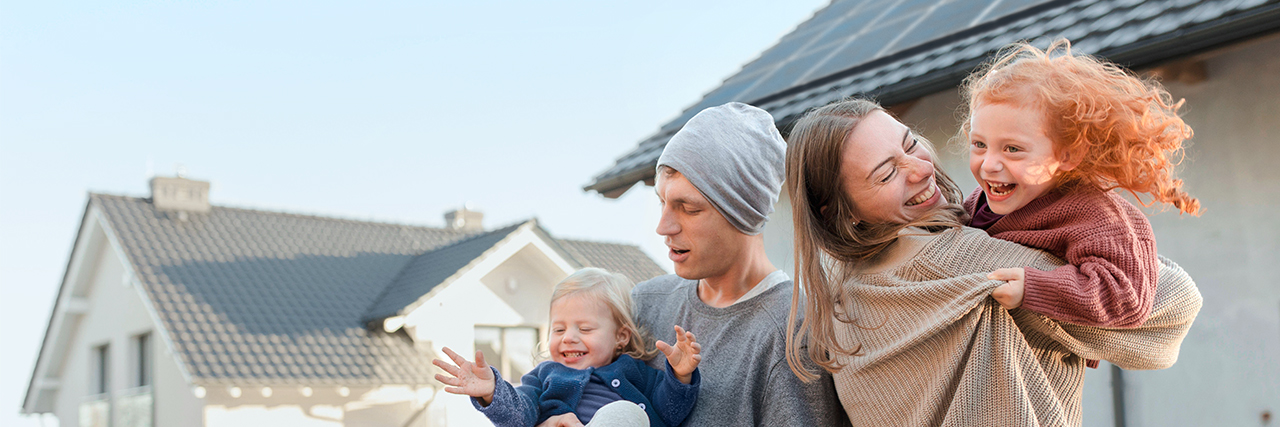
825 231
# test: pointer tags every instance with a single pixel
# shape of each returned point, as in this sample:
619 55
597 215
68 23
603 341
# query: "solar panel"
785 48
844 34
789 75
861 49
854 24
832 12
1006 7
945 19
910 7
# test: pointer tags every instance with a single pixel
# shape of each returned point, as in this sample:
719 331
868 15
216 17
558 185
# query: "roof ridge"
599 242
337 217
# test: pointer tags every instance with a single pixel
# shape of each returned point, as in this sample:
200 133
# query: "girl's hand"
684 356
471 379
1010 294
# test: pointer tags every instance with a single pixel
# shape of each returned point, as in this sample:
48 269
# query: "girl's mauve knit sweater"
1110 276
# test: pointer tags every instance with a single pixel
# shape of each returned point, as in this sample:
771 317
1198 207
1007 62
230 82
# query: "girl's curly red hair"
1127 128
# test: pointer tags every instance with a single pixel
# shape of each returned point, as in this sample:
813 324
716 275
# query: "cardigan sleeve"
1110 276
512 406
1153 345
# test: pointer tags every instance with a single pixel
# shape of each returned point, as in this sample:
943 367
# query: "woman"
896 290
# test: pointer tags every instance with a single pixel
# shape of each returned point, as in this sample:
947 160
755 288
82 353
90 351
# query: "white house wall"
480 297
1227 373
114 315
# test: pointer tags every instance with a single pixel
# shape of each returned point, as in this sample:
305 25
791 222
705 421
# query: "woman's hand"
1010 294
562 420
684 356
471 379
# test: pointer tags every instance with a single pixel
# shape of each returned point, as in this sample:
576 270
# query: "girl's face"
583 333
1011 155
887 172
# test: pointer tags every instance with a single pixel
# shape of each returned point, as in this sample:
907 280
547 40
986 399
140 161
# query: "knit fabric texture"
553 389
745 377
736 158
1110 276
938 351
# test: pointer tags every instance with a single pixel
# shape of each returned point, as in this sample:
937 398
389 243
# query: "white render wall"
115 316
1229 369
481 297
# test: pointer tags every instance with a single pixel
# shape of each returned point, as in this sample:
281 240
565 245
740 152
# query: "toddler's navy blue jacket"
553 389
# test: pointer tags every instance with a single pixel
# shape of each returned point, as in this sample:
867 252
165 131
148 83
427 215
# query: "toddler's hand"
1009 295
684 356
471 379
567 419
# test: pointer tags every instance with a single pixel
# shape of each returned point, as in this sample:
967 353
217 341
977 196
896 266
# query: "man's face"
700 241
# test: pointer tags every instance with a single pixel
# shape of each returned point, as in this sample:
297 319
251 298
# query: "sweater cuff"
1060 295
681 391
1035 296
502 410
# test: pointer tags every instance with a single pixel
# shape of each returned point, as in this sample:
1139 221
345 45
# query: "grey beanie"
735 156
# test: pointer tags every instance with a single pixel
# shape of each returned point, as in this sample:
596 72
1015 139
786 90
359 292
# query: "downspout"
1117 395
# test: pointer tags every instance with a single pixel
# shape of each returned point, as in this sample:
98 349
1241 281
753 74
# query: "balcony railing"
135 407
95 412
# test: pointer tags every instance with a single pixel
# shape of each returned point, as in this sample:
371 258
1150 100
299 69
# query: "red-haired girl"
1050 134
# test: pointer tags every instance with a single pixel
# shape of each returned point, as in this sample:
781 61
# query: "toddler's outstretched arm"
472 379
684 356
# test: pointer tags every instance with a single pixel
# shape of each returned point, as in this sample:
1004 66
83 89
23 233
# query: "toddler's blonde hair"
614 290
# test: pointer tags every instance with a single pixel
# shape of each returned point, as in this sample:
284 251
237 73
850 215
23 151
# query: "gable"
99 303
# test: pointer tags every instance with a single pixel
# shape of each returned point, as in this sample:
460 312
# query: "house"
1222 56
174 312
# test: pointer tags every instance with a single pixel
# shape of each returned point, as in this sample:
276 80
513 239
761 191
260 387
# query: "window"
101 369
512 350
142 360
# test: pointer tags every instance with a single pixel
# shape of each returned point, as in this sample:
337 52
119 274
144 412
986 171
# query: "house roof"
256 297
431 269
901 50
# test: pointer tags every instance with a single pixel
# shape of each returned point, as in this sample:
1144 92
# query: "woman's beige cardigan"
938 351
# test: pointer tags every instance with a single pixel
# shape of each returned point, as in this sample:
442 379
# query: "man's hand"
684 356
1010 294
471 379
562 420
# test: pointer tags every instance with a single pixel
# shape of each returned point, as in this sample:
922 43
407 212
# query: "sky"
390 111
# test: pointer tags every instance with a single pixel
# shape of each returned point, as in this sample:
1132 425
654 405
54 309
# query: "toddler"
1050 135
596 368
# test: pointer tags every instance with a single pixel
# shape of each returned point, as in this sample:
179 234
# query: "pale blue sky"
390 110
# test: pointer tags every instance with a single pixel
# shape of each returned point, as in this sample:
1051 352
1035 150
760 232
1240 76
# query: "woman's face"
887 172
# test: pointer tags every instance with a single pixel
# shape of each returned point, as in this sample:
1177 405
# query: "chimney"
177 194
464 219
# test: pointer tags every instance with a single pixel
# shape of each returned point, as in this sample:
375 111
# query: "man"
718 180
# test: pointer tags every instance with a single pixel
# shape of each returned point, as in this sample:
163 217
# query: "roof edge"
57 298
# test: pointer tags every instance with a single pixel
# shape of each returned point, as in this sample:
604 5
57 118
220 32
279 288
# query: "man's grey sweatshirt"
745 377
